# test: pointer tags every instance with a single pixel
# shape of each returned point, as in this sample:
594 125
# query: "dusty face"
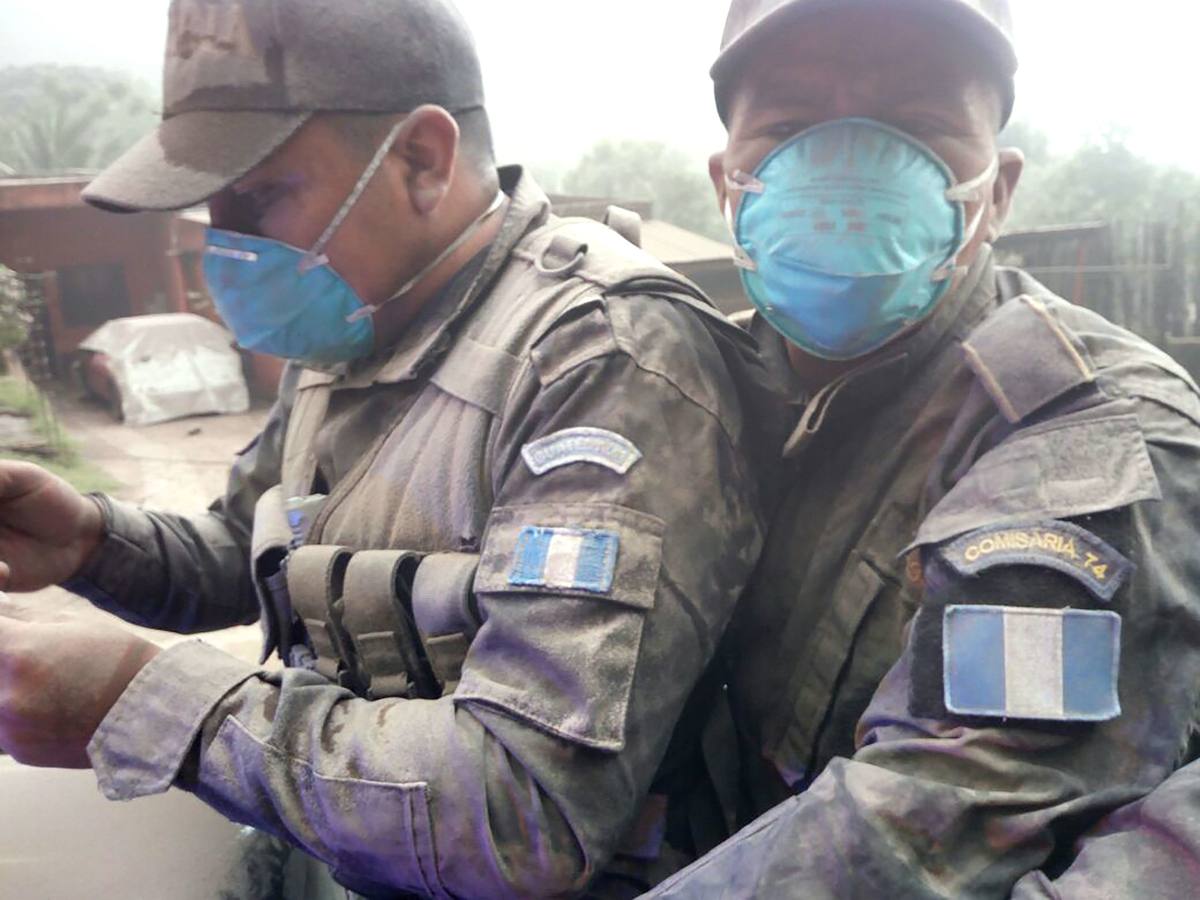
913 75
390 233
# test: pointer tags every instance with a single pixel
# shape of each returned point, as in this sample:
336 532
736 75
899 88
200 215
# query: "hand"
47 528
58 680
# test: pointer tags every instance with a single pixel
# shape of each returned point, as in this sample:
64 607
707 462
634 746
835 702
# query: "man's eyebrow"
772 91
780 92
256 178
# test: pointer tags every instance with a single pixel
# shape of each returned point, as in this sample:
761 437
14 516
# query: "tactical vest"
384 591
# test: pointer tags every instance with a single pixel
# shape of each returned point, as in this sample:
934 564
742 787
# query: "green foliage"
14 319
22 398
17 396
62 118
80 474
650 170
1102 181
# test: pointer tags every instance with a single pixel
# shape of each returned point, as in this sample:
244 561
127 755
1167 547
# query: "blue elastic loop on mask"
273 307
847 235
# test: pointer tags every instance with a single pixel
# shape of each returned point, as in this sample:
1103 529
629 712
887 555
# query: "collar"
430 335
881 377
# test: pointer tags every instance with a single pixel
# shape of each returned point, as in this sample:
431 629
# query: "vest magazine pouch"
446 613
268 551
443 594
315 576
378 618
563 589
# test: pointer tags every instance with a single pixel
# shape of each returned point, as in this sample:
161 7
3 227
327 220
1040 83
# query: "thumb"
18 479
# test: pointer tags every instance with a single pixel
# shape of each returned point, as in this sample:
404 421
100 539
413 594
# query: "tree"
650 170
14 316
1029 139
61 118
1102 181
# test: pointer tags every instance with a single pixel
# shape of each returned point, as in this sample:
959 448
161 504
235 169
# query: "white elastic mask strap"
467 234
316 256
964 193
740 183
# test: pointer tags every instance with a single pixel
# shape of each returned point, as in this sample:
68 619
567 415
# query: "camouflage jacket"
1150 848
975 629
607 573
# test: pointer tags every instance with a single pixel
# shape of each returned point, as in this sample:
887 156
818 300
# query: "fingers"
32 610
12 609
5 576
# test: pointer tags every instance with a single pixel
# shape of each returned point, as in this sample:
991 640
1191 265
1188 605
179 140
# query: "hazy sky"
562 74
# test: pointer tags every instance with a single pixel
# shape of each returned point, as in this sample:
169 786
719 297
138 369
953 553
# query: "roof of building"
677 246
57 192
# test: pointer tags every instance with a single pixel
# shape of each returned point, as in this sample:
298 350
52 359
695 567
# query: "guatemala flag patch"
565 558
1019 663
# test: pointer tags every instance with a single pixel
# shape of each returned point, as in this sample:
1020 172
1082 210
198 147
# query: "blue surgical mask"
287 302
847 235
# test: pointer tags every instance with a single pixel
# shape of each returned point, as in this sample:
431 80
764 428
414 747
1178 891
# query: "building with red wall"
94 266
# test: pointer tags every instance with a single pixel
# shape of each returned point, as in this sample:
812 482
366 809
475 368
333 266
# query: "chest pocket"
854 644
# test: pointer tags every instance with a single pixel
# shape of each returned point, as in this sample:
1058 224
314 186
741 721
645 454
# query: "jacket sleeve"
610 566
1150 848
942 805
187 574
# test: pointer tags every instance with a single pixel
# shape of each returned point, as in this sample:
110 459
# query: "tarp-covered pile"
171 366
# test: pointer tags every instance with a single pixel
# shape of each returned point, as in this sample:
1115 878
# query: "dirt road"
59 839
176 466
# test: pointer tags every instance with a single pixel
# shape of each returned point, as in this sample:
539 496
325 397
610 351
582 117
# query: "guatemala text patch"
1019 663
1062 546
597 446
565 558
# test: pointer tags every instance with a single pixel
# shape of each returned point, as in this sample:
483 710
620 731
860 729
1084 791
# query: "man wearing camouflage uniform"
975 629
496 523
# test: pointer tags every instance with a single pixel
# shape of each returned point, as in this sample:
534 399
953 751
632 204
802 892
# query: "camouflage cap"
989 22
242 76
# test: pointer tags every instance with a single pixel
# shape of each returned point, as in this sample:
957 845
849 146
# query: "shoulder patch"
566 558
1057 665
1056 545
597 446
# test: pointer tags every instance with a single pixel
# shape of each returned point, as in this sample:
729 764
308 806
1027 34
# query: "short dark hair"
364 132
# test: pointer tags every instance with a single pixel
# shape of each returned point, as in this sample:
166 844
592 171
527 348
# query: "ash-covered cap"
988 22
242 76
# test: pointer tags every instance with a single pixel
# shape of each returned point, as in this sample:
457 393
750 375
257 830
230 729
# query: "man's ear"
1012 164
428 146
716 171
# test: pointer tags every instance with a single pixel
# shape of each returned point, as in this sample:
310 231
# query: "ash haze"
563 74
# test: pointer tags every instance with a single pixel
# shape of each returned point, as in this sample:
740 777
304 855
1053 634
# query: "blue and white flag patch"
1058 665
565 558
597 446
